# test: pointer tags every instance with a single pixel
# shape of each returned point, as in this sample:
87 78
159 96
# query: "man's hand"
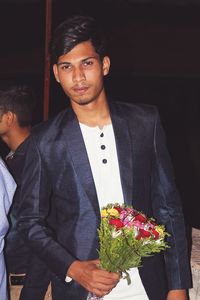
93 279
177 295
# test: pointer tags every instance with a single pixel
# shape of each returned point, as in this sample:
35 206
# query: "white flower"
116 234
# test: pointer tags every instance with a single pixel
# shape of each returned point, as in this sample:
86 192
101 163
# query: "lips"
80 90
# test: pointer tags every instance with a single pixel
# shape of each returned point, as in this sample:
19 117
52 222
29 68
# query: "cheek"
66 87
96 77
99 80
65 81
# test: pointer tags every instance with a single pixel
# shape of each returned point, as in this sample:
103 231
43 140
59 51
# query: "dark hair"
73 31
20 100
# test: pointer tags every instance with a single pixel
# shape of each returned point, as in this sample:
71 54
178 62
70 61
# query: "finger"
110 275
96 262
100 293
104 288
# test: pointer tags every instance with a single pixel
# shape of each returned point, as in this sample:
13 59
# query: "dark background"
154 48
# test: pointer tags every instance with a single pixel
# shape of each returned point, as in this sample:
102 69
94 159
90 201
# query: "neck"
93 114
16 137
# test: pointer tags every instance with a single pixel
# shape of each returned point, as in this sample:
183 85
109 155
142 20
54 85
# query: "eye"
88 63
65 67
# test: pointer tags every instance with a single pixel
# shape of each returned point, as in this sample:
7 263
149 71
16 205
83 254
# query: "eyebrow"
83 60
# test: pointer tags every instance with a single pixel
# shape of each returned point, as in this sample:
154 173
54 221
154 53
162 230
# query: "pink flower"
123 214
138 224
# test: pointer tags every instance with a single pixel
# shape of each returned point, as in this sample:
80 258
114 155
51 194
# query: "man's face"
80 73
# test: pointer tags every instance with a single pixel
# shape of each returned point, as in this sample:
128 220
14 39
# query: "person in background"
3 149
7 189
17 104
98 151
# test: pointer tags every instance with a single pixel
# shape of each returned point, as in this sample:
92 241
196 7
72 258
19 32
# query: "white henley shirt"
102 154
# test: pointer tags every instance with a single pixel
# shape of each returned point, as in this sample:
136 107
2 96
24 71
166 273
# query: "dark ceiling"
151 37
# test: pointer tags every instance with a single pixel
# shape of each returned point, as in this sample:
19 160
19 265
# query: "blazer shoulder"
49 127
138 110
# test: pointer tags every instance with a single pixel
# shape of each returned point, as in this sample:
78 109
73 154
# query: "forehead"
80 52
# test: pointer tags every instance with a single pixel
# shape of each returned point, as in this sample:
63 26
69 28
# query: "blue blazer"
58 181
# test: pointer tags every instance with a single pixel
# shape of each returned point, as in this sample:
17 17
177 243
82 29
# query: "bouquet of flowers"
126 235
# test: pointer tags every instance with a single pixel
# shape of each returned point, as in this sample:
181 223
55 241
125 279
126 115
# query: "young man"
7 189
17 103
96 152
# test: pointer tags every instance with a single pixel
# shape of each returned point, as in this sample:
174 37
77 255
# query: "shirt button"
103 147
102 135
104 161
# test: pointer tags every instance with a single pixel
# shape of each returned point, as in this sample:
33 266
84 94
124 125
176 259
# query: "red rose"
155 233
138 237
144 233
119 209
117 223
140 218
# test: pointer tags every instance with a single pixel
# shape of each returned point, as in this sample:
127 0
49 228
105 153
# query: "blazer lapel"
124 152
80 160
133 155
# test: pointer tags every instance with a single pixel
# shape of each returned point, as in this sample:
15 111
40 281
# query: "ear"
55 71
106 65
10 118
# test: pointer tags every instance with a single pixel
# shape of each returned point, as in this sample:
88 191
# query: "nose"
78 74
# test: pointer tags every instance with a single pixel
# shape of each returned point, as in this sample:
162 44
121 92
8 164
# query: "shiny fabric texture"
57 168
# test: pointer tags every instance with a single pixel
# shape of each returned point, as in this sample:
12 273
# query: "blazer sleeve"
33 211
168 211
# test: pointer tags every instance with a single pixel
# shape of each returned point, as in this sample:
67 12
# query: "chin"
84 101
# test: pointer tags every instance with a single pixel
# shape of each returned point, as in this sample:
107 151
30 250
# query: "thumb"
96 262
